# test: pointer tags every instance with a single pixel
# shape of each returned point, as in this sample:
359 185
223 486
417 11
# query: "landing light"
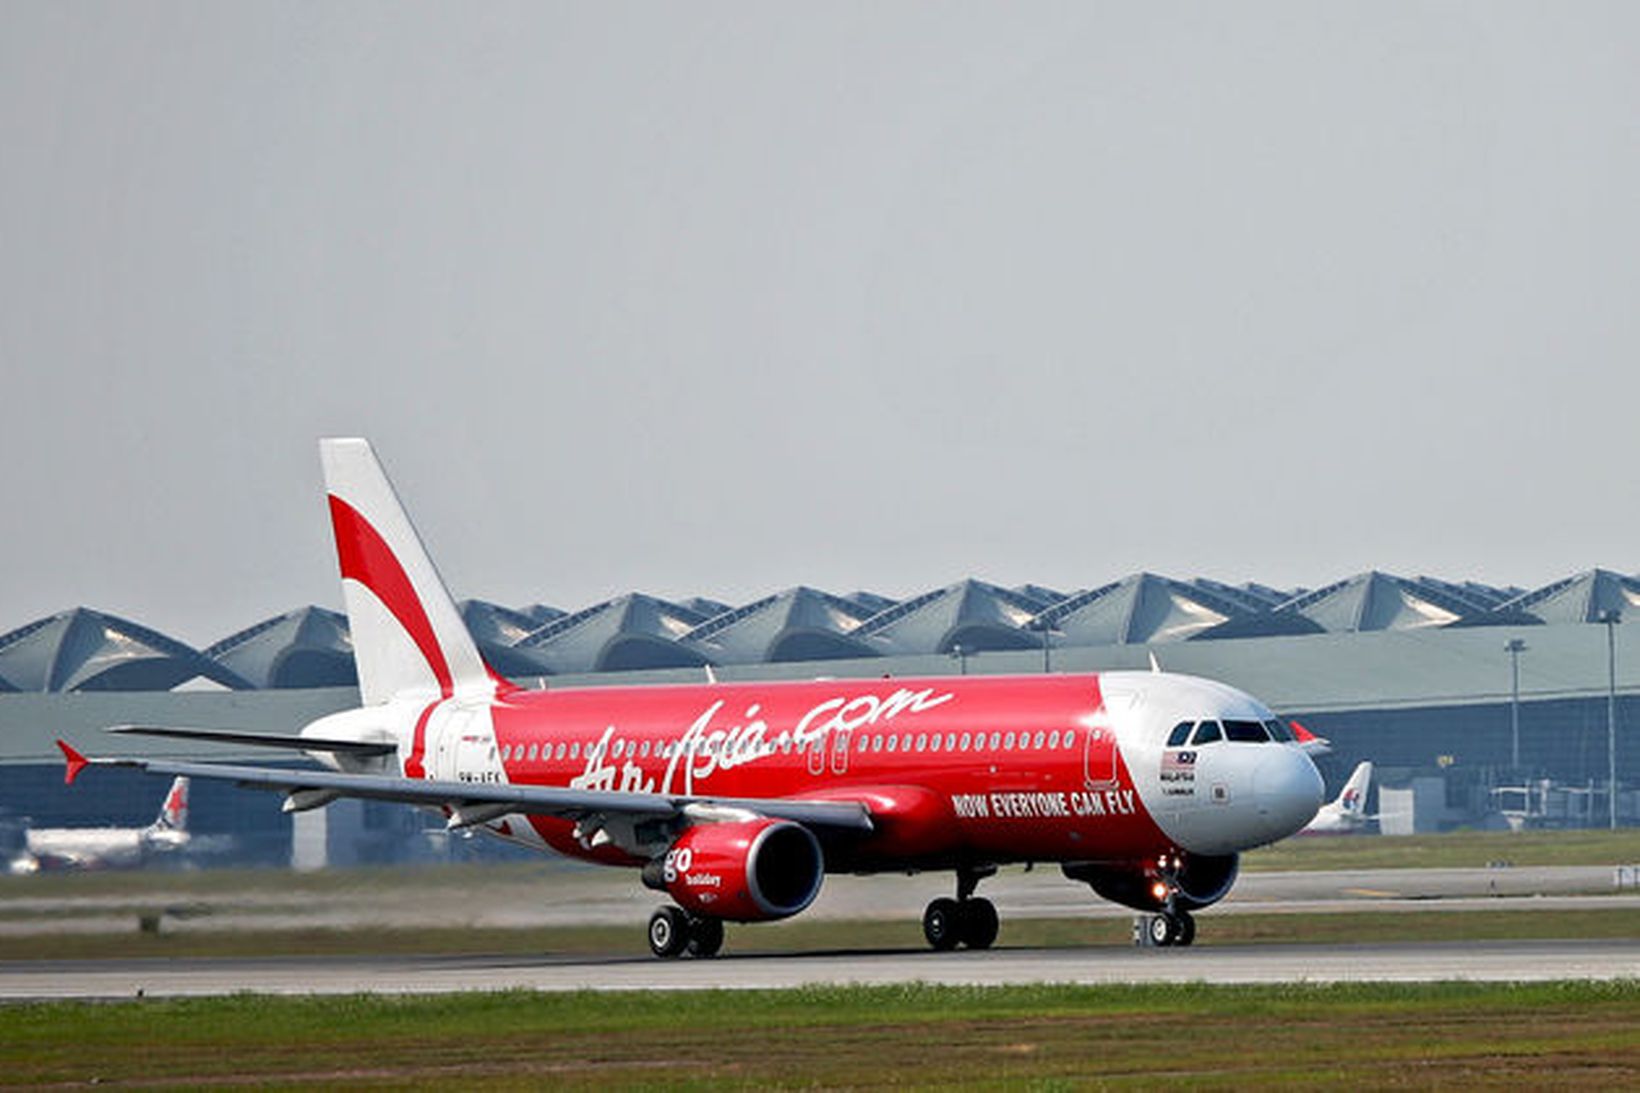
1159 890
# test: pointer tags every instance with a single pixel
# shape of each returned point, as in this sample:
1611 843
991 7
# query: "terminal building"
1479 706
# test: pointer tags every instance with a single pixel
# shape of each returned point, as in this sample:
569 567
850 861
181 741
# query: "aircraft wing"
479 801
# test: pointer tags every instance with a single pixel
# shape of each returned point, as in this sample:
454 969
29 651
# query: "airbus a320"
736 799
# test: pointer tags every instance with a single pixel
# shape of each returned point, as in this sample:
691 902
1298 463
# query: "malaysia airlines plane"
107 847
1347 813
736 799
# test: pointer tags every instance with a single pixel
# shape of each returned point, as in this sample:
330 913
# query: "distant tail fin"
1353 800
408 637
173 814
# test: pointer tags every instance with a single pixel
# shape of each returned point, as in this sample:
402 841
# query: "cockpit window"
1180 733
1246 732
1279 731
1206 733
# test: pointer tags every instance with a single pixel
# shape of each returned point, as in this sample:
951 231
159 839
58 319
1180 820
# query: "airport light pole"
962 659
1044 629
1515 647
1611 619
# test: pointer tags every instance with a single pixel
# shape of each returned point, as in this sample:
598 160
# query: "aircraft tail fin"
408 637
173 814
1353 800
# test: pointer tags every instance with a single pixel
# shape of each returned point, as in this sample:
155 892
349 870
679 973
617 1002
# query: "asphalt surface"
570 898
1405 963
611 897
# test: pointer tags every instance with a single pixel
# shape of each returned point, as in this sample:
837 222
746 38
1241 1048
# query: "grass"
811 935
1457 850
1463 849
1562 1035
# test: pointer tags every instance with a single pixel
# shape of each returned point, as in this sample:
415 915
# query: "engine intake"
746 871
1199 881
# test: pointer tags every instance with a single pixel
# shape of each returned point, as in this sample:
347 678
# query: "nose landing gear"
1166 929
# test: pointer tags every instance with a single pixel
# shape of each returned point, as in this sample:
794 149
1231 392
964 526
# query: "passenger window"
1008 742
922 741
996 741
966 741
1206 733
893 741
1180 733
1246 732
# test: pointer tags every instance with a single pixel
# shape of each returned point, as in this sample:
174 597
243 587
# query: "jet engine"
1194 881
745 871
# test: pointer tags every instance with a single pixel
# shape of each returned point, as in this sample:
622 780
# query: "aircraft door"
1099 757
475 747
457 743
839 750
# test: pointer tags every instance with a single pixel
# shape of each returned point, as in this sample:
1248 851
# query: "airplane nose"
1287 791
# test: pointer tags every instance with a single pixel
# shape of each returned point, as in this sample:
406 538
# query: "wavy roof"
85 649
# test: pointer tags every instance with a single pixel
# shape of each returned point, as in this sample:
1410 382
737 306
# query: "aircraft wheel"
705 937
1164 930
979 923
942 924
668 931
1187 928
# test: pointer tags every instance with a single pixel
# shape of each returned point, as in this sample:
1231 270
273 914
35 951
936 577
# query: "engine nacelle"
745 871
1198 881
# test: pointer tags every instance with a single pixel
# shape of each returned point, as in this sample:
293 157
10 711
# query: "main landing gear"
674 932
965 920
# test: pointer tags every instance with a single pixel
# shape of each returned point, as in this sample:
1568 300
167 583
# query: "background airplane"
107 847
1347 813
735 799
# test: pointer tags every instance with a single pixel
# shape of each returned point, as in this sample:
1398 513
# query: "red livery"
736 799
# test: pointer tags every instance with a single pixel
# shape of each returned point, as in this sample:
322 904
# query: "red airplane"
736 799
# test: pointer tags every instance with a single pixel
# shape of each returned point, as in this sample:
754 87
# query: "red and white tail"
173 814
408 637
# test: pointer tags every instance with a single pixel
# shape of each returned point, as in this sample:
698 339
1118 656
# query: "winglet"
76 762
1309 741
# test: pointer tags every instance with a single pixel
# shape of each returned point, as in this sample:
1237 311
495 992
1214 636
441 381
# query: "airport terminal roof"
308 647
797 624
1138 610
86 650
629 632
82 649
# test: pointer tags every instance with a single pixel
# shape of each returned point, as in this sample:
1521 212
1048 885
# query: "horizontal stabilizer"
261 739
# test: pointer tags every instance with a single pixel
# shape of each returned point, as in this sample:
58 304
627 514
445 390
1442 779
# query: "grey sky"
720 298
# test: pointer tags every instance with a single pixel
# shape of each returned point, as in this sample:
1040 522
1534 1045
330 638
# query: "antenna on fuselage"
1155 665
711 676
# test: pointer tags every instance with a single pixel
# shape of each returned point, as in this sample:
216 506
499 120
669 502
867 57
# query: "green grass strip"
1559 1034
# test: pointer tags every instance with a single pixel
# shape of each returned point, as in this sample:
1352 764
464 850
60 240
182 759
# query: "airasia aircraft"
736 799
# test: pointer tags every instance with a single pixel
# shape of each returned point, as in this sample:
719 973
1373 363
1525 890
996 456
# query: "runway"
1402 963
